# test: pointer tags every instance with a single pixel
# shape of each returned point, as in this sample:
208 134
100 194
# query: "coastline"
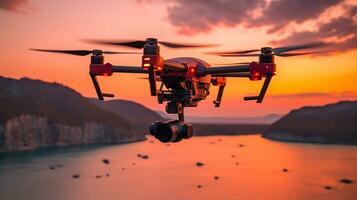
315 140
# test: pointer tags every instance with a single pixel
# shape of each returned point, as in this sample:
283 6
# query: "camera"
171 130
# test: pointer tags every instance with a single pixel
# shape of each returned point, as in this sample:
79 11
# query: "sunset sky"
235 24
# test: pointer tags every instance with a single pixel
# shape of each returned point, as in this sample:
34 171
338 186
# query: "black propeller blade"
82 52
139 44
239 55
232 52
281 54
186 45
279 51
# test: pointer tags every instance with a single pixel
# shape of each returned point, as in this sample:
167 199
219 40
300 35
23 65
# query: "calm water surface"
171 171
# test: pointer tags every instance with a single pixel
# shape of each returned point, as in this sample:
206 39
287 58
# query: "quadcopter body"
184 81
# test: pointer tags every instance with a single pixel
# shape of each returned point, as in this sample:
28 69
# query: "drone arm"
129 69
108 70
100 70
237 74
226 69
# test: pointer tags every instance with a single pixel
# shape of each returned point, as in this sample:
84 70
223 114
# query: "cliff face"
29 132
333 123
38 114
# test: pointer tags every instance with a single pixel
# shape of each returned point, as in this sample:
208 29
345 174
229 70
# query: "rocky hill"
36 114
332 123
133 112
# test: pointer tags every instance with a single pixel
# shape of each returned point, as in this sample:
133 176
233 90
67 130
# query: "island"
330 124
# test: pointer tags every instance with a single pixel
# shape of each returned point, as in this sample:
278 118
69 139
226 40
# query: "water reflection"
170 171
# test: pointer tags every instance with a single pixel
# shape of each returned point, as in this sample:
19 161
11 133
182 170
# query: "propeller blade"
120 52
138 44
280 50
277 50
299 54
239 55
186 45
72 52
82 52
233 52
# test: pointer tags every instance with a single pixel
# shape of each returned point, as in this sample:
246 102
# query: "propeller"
281 54
82 52
279 51
139 44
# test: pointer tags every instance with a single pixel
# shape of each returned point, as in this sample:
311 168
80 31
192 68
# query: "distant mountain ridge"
332 123
266 119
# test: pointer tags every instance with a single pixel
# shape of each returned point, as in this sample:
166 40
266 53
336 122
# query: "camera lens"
171 131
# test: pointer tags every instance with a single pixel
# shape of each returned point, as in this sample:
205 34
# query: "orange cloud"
340 32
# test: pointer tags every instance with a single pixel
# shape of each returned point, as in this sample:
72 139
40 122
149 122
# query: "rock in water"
76 176
145 157
346 181
199 186
216 178
199 164
327 187
106 161
285 170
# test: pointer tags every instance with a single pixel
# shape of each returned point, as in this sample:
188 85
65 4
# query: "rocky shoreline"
290 137
28 132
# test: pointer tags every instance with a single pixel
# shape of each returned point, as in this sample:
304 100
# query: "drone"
184 81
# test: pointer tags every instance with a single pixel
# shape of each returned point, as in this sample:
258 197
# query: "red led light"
159 68
192 70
